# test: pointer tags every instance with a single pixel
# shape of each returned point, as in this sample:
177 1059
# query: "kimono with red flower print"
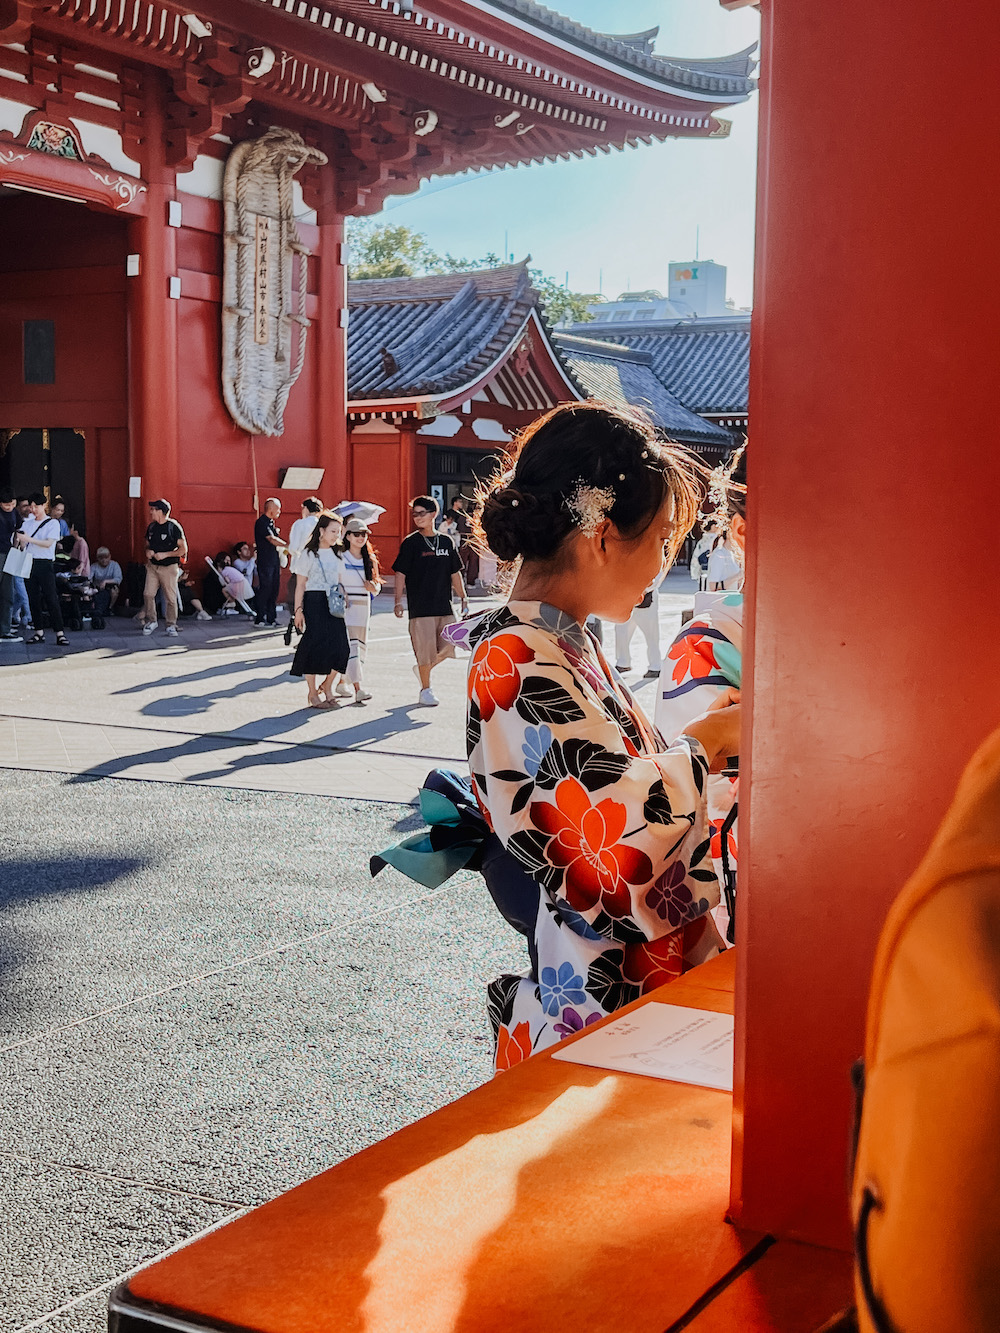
609 822
704 658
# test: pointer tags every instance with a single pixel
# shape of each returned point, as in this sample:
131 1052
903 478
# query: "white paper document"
663 1041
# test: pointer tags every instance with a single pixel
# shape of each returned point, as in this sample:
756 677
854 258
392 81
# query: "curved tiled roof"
705 363
415 337
726 75
623 376
429 337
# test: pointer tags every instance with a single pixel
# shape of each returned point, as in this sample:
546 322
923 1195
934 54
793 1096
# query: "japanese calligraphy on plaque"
264 323
261 310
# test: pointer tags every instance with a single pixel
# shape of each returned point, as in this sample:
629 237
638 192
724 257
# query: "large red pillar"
152 321
875 646
331 334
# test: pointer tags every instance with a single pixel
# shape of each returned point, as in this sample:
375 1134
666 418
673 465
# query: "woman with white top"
725 571
38 536
323 650
361 580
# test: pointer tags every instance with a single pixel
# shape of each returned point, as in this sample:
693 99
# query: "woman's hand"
300 619
718 729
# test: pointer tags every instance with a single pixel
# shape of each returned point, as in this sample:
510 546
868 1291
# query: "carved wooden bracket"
207 90
16 18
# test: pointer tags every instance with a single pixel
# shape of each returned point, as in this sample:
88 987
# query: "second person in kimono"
608 819
706 660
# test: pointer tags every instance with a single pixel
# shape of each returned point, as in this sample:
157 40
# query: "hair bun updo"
517 524
530 506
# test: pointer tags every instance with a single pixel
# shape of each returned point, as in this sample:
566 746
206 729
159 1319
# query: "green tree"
380 250
559 303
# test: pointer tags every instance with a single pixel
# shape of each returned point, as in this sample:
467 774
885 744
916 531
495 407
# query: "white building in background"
696 290
700 286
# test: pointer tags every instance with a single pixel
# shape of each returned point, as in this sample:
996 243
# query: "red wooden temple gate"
115 122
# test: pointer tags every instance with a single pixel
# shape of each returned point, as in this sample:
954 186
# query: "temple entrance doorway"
455 472
50 460
64 361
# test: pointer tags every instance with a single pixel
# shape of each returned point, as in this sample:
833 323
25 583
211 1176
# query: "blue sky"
625 215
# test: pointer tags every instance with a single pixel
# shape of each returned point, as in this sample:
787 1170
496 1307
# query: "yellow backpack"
926 1194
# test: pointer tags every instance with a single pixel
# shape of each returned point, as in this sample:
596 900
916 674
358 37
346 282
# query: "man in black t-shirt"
269 542
166 547
429 568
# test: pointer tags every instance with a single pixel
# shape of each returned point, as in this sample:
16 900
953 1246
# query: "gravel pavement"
207 999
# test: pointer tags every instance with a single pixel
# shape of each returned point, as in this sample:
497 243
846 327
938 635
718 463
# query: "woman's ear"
600 539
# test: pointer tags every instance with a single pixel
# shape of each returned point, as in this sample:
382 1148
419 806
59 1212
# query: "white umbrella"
361 509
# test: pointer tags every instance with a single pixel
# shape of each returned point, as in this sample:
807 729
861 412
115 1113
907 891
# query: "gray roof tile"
622 376
428 337
726 76
705 363
414 337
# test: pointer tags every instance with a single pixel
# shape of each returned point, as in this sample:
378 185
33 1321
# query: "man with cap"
106 576
166 547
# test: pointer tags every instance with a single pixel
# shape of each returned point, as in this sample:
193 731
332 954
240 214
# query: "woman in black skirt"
324 648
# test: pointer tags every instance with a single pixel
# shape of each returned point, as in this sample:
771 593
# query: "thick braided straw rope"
257 376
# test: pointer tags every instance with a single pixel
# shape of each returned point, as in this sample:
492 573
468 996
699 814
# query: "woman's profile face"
631 566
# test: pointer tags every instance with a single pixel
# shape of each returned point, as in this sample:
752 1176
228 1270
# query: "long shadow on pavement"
291 752
24 879
186 705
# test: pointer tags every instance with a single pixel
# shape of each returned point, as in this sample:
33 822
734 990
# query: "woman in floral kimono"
608 820
706 660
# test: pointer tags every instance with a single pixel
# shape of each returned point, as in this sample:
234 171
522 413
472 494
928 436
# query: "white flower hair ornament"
720 486
589 506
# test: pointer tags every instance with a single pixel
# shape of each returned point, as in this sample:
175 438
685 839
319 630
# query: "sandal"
62 641
37 637
317 702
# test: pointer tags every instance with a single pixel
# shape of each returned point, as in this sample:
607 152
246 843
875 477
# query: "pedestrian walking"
301 530
467 551
361 581
9 523
166 547
323 651
701 553
39 535
429 570
646 619
269 545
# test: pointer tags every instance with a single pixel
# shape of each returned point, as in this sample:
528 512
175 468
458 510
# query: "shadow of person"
25 880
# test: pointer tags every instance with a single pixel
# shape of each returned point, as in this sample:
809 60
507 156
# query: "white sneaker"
429 699
202 615
150 628
362 696
343 689
172 631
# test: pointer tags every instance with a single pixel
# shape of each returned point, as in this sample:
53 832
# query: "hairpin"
589 506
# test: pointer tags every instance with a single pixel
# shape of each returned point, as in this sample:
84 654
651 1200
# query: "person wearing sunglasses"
429 568
361 580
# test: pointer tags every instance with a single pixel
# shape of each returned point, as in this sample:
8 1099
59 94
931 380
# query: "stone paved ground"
204 998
